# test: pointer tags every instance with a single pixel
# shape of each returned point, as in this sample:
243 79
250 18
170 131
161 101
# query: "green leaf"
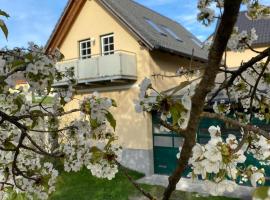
19 102
8 145
114 103
3 13
111 119
36 113
266 77
4 28
96 154
111 140
94 150
17 63
176 111
94 124
62 101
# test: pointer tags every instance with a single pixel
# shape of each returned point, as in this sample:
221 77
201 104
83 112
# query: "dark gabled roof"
133 15
262 27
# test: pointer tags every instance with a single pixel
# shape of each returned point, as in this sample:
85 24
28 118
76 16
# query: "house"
114 45
262 27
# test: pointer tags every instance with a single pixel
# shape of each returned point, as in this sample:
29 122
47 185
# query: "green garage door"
166 144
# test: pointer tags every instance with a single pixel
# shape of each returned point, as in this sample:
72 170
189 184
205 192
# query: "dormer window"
172 33
85 49
107 44
155 26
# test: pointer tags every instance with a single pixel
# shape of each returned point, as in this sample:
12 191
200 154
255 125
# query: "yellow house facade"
114 45
262 27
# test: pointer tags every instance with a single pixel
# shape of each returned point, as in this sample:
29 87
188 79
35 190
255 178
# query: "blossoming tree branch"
247 91
32 135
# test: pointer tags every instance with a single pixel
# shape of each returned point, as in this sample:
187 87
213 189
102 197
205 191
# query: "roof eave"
65 21
194 57
57 25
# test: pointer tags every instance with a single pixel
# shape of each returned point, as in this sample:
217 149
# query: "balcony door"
107 44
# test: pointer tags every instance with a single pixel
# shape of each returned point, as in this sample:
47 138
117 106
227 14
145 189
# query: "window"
107 44
155 26
85 49
172 33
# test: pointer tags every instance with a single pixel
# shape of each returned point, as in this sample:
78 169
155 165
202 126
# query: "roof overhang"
64 24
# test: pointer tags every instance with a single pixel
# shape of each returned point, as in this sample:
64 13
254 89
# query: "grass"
47 101
261 192
83 186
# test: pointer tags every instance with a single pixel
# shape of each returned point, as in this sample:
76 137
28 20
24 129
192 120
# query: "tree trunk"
225 29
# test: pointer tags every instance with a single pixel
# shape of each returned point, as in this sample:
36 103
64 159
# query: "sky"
34 20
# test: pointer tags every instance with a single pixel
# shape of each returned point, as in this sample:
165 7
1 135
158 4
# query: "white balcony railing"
118 66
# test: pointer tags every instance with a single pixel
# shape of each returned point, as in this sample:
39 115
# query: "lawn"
83 186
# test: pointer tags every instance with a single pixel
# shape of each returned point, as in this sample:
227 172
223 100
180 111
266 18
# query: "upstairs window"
107 44
155 26
172 33
85 49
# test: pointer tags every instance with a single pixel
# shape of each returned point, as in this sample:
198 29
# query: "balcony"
118 68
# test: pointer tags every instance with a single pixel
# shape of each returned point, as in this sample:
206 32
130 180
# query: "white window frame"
110 51
81 49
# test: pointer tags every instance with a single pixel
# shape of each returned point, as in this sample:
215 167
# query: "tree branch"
136 185
173 128
241 69
233 122
224 31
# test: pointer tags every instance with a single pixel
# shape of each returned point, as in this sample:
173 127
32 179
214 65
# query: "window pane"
83 52
163 141
178 142
83 45
106 40
111 47
106 48
88 44
88 51
111 39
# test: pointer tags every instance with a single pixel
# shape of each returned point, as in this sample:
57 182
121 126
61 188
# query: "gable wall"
234 59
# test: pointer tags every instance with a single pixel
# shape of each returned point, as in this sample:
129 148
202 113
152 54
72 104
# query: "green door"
165 160
166 147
